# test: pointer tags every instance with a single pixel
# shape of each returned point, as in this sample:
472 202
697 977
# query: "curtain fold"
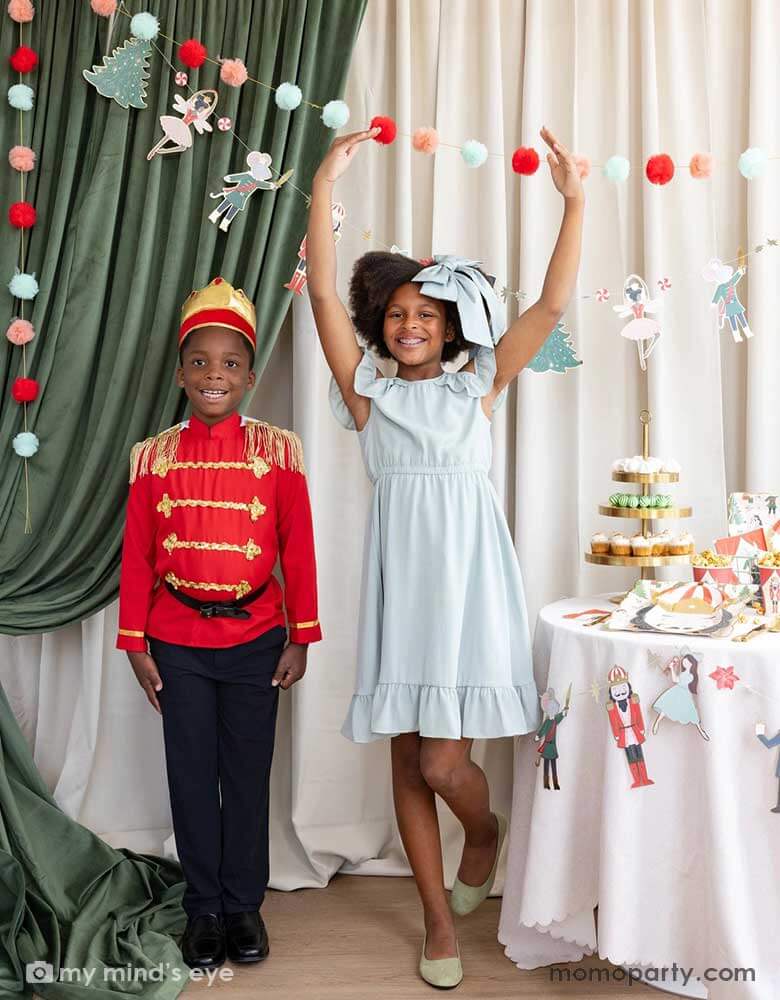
121 243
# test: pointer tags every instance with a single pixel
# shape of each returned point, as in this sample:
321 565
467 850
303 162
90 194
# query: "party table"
685 870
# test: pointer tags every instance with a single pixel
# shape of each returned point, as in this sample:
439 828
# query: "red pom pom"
525 160
192 53
24 59
660 169
388 129
24 390
22 214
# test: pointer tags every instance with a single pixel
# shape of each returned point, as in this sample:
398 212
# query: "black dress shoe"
203 944
246 937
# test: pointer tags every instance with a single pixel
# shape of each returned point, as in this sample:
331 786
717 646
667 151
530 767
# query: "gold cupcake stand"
646 515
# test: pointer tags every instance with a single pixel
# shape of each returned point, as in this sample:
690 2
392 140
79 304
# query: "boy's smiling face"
215 372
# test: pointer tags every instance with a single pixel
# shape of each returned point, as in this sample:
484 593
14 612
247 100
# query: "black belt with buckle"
219 609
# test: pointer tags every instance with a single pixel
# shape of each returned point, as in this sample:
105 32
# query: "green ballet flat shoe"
466 898
443 973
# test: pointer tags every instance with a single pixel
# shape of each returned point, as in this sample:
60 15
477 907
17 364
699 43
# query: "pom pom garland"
21 11
288 96
659 169
21 158
24 390
582 164
617 168
22 215
20 332
752 162
144 26
24 59
474 153
233 72
20 96
387 129
525 160
335 114
103 8
25 444
23 286
192 53
425 139
701 165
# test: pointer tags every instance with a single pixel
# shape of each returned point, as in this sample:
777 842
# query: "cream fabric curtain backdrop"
634 77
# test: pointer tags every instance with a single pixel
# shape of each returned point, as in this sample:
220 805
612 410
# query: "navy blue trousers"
219 721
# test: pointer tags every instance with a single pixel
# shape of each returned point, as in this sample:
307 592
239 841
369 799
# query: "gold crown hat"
617 675
218 304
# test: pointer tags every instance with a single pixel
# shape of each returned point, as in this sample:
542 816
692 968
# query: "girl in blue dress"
444 654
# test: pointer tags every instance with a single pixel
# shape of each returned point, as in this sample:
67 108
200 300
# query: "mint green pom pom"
288 96
23 286
752 162
25 444
617 168
144 26
20 96
335 114
474 153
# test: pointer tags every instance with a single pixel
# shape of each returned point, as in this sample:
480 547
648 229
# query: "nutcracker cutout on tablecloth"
547 745
770 744
677 702
628 725
297 283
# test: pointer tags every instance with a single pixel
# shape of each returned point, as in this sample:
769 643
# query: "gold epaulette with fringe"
281 447
160 448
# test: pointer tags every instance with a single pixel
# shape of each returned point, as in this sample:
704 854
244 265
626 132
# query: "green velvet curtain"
119 244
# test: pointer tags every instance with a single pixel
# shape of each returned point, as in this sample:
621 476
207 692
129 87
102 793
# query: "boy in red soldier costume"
213 502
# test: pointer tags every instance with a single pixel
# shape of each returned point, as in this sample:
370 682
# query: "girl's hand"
342 153
563 169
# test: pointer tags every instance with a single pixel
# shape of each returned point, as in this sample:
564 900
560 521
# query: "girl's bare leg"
448 769
418 824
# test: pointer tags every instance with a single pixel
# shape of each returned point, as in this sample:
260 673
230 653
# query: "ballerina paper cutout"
244 185
177 136
677 702
636 303
726 299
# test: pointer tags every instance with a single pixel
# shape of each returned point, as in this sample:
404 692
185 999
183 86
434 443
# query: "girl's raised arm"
333 323
526 335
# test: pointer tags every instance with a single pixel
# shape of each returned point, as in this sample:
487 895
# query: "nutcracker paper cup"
769 579
718 575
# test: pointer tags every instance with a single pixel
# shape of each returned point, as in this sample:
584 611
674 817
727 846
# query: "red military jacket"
210 510
637 722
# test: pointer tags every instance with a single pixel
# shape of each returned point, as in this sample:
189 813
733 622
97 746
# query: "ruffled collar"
476 383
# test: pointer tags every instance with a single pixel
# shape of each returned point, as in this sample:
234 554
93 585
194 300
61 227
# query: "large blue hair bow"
457 280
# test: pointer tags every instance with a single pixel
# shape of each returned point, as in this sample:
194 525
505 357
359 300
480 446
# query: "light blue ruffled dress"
443 641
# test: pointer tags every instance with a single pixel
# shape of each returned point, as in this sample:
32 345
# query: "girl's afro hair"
375 277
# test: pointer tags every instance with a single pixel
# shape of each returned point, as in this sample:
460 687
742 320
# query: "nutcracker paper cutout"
643 331
177 136
628 725
547 746
677 703
297 283
235 197
770 744
726 298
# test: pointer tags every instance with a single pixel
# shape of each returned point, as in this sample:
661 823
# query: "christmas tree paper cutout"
556 354
123 74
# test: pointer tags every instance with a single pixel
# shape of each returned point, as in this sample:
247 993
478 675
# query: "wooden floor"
361 937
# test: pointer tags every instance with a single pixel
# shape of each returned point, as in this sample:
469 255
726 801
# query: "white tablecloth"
686 870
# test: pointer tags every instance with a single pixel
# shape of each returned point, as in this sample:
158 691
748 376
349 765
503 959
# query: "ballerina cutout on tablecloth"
195 110
244 184
729 306
677 702
637 303
547 747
